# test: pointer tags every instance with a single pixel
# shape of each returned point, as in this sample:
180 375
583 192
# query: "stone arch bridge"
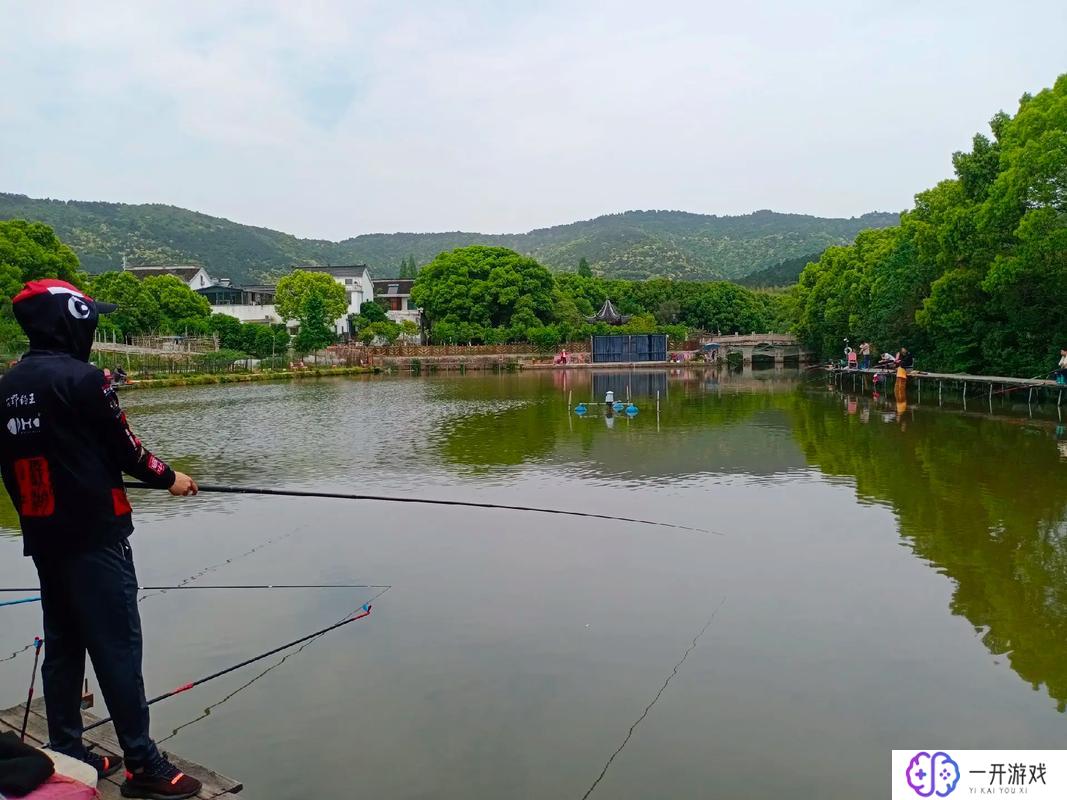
776 347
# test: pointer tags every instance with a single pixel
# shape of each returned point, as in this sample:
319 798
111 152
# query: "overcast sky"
331 119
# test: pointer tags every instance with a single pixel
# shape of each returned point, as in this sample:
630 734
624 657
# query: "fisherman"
865 355
65 446
904 360
1060 373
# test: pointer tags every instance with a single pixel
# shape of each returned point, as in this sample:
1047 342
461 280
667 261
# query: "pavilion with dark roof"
609 315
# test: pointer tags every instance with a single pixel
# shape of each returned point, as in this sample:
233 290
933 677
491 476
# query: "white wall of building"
201 280
266 314
358 290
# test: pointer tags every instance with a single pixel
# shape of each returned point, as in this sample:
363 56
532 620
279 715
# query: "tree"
725 307
138 310
372 311
383 329
483 287
315 330
294 292
583 268
30 251
408 268
176 301
228 329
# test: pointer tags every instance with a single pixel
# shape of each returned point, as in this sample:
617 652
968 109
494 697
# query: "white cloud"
335 118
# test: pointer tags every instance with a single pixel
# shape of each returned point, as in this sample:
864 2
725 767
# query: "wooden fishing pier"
975 387
106 743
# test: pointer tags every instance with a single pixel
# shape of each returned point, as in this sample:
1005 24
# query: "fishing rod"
22 599
213 586
1023 386
37 642
364 612
427 501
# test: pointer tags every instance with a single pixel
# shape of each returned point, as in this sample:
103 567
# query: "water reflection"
983 499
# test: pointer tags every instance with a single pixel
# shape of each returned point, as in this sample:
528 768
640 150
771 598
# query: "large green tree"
474 288
182 307
315 330
295 291
138 310
30 251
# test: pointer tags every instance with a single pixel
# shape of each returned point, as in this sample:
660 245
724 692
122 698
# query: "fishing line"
239 689
363 612
655 699
213 567
17 653
423 500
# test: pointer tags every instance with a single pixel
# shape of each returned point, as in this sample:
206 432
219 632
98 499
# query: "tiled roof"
350 271
185 272
392 286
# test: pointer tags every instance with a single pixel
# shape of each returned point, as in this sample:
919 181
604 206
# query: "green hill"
784 273
634 244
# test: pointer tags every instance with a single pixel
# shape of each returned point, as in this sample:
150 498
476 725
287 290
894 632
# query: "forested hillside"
635 244
974 279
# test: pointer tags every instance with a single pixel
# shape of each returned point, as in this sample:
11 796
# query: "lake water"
874 578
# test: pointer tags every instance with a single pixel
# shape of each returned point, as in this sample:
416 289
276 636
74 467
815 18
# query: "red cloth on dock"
60 787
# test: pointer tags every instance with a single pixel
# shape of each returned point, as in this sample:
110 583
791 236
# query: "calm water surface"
877 578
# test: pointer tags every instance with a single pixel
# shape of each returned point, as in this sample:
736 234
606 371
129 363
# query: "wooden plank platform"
215 785
960 377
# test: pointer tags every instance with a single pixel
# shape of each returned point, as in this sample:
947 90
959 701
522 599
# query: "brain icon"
931 774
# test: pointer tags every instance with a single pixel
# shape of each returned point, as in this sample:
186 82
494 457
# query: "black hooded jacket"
65 442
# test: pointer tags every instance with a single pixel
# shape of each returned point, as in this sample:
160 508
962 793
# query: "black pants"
90 605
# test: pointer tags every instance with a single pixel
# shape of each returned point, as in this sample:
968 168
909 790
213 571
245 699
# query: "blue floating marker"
580 408
619 406
631 409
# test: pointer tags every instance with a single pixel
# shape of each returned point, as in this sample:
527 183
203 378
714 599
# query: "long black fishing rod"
364 612
427 501
182 587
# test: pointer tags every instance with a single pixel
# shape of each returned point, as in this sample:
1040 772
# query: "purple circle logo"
933 774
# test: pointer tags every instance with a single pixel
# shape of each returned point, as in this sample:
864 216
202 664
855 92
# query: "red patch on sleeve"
120 502
36 498
156 465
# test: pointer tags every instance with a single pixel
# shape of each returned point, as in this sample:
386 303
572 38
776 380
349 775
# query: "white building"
246 303
256 303
396 295
358 288
195 277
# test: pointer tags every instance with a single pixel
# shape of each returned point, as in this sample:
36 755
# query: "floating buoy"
631 409
619 406
580 408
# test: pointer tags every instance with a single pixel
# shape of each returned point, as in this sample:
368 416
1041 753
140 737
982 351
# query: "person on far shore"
904 362
1060 374
851 355
865 355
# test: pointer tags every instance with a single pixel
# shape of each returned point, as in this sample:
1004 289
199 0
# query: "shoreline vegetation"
212 379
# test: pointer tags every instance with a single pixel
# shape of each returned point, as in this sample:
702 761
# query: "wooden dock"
215 785
967 385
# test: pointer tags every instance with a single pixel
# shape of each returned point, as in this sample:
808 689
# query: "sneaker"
104 765
160 781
